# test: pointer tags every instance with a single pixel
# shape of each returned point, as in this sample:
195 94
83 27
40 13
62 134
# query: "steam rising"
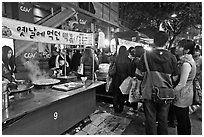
35 72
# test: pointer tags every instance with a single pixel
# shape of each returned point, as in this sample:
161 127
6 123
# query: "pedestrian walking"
162 65
184 89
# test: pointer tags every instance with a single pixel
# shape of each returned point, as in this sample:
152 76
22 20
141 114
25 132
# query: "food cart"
54 107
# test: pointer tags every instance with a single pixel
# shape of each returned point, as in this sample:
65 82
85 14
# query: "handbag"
163 95
112 69
197 92
126 85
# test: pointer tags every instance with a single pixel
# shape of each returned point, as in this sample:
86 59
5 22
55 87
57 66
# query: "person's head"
7 53
88 51
122 51
131 51
87 54
122 54
197 51
139 51
61 61
160 39
185 46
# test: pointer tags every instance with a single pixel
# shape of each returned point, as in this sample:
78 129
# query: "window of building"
88 6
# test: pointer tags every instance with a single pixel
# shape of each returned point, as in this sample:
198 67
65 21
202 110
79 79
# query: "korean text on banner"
15 29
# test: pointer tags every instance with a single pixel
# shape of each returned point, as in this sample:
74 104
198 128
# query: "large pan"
45 83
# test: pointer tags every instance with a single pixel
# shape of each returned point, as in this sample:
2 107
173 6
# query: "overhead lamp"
174 15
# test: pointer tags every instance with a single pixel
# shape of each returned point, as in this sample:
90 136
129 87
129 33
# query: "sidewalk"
105 122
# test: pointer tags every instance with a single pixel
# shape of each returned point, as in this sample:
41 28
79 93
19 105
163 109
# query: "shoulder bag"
159 94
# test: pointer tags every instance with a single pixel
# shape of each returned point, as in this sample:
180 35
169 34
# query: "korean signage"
127 43
19 30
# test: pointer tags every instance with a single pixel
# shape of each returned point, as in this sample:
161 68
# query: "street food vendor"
55 65
8 67
63 66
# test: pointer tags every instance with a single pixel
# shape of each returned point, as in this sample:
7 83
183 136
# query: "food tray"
68 86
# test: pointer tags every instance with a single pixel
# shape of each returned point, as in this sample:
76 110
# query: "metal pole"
93 41
65 59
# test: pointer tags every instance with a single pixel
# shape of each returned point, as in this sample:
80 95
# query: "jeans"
171 116
156 112
183 120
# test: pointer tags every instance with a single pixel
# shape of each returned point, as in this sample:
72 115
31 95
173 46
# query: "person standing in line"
123 70
131 56
198 59
75 61
134 55
184 89
87 60
162 65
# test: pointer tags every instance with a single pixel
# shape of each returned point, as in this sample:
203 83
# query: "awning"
148 31
130 35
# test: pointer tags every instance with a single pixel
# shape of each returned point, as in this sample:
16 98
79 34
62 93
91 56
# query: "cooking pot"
23 89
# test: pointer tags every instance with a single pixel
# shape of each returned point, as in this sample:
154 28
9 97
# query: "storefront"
52 108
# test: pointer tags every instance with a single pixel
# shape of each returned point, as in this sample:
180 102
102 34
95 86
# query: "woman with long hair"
8 65
123 70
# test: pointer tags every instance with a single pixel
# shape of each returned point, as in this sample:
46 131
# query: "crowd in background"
177 67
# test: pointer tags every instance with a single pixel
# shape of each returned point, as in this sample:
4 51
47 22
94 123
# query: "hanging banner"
127 43
15 29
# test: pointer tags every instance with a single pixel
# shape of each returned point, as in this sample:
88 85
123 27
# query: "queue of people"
176 71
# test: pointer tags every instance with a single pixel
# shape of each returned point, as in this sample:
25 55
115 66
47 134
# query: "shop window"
88 6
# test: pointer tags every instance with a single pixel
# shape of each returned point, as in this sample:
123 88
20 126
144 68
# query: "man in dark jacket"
162 65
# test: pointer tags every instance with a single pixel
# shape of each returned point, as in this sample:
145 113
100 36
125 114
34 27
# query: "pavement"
105 122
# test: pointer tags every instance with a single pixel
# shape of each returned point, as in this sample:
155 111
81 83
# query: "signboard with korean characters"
127 43
19 30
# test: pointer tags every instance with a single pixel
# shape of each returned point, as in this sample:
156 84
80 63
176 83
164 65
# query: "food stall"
46 106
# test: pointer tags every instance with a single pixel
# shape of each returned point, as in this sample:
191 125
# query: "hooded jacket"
162 65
